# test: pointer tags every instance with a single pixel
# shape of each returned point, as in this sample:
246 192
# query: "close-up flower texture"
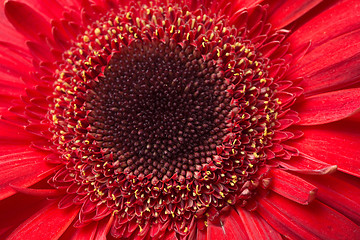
179 119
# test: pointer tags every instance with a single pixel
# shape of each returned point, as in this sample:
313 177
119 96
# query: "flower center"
162 115
159 110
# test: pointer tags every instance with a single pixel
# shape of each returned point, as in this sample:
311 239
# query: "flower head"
180 120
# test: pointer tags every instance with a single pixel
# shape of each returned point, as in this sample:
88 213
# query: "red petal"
345 17
340 67
340 193
104 227
8 33
49 223
15 61
39 51
51 8
292 187
8 93
201 234
14 134
355 117
16 209
307 165
316 220
256 227
27 21
328 107
256 14
285 12
335 144
247 3
66 201
22 169
230 228
9 149
37 192
83 233
225 7
269 48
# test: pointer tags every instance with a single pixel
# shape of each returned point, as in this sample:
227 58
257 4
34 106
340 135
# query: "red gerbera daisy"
180 119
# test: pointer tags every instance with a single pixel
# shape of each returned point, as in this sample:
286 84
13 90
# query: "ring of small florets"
97 171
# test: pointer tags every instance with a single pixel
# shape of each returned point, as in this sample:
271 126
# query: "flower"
180 119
